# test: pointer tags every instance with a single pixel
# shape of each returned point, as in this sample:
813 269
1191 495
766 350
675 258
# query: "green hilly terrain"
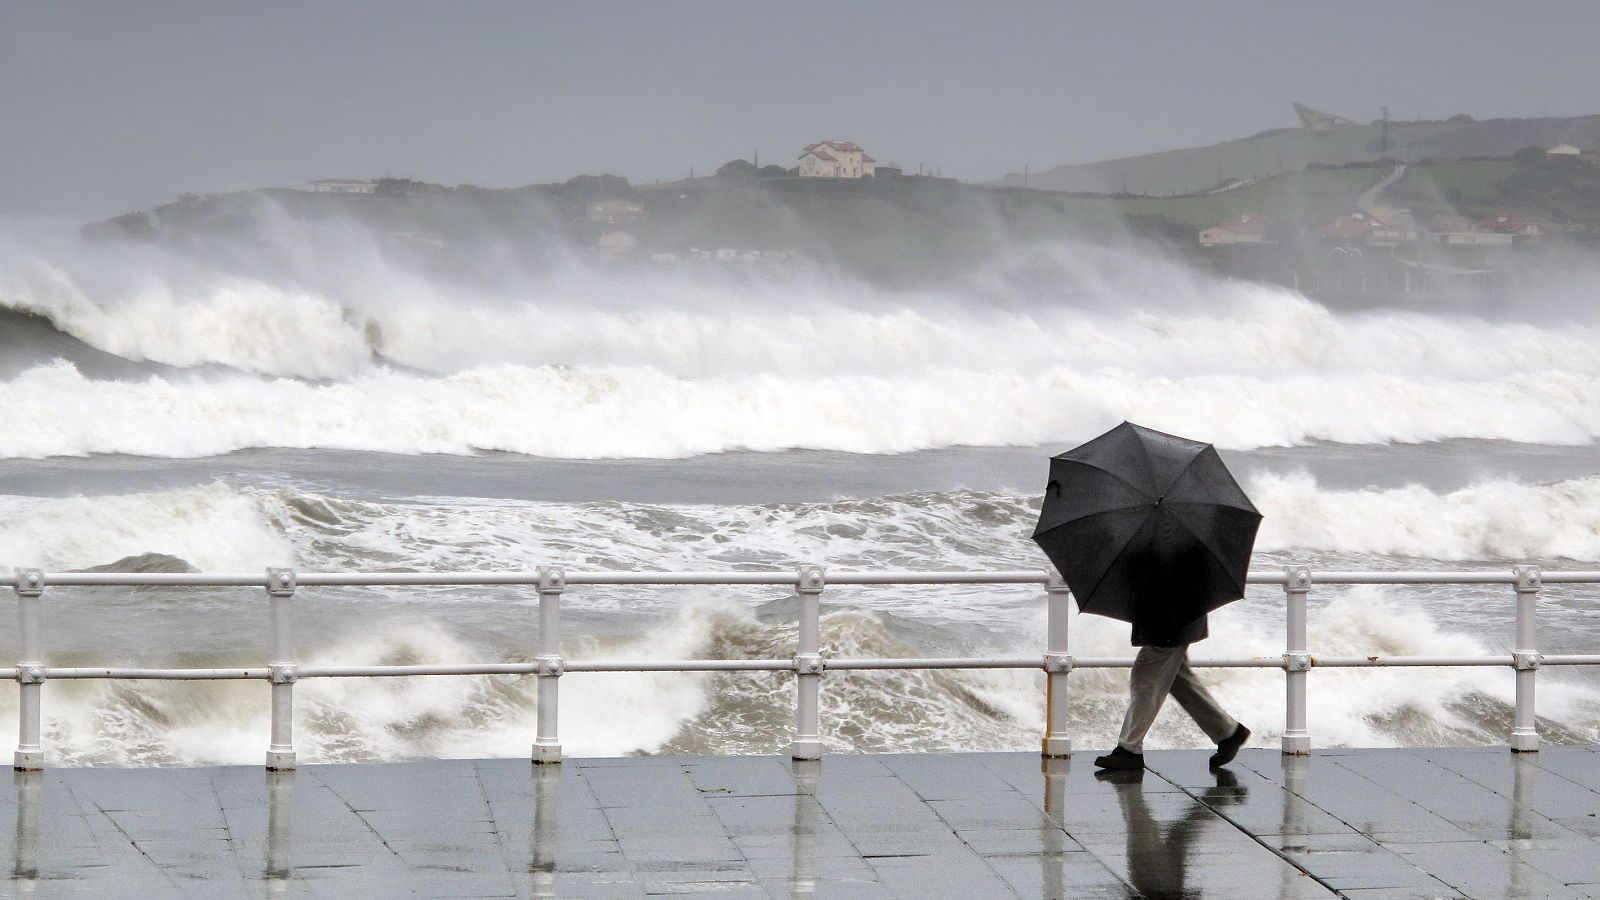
1287 150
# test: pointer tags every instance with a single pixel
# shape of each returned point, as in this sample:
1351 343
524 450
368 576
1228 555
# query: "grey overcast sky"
111 106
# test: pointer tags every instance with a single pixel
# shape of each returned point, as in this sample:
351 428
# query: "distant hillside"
1552 190
1270 153
903 230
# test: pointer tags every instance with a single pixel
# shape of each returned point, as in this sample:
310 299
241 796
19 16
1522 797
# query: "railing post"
1057 665
547 741
30 670
282 670
1526 658
1296 662
808 664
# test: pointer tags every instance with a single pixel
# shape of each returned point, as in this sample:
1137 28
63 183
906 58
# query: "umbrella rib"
1113 564
1206 544
1098 512
1248 509
1105 471
1183 471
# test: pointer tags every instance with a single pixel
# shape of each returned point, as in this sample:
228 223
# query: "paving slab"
1461 822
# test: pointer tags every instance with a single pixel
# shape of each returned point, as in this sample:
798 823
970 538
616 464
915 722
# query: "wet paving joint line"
744 858
357 813
1337 818
1511 799
1275 851
1554 774
611 829
987 863
1574 835
142 852
483 793
234 845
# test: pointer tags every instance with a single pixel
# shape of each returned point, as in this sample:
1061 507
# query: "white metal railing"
808 664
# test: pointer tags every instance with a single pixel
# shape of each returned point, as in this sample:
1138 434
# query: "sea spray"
1050 343
220 528
348 720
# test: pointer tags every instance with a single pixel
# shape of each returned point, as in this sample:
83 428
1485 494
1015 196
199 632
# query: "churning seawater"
163 414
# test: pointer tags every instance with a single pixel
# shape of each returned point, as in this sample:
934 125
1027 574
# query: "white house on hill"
344 186
836 159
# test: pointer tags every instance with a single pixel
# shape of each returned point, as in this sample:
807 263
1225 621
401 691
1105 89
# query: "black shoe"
1228 747
1121 760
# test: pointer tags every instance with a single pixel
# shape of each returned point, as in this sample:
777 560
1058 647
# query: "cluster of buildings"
1384 227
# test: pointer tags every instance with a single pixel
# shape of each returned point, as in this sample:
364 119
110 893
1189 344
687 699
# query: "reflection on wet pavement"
1359 824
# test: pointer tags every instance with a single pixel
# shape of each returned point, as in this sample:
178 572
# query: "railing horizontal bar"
134 674
681 665
935 663
445 579
149 579
788 578
1024 576
1462 577
402 579
681 578
769 665
1223 662
1359 662
1574 577
395 671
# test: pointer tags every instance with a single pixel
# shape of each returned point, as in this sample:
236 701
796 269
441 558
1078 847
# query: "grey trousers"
1157 672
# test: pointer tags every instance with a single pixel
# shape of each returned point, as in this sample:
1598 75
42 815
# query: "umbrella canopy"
1147 527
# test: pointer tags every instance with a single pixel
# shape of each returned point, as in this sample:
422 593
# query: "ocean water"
165 411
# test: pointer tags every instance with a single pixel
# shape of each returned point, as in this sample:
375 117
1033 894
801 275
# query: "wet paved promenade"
1362 824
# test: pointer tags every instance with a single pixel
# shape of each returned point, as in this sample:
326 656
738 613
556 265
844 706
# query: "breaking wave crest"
1046 344
216 527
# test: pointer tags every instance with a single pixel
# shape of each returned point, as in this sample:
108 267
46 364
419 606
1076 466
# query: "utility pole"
1024 174
1385 152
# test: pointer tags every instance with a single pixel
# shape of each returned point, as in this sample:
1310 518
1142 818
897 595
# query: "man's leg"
1192 695
1153 672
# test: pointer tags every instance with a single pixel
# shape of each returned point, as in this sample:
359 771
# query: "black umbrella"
1147 527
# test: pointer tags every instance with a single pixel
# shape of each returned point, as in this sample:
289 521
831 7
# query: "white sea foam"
220 528
1489 520
633 413
212 527
581 363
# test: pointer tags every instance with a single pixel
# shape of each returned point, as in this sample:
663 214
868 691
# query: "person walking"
1152 529
1160 669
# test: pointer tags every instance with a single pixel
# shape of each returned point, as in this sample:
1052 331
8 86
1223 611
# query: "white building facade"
344 186
836 159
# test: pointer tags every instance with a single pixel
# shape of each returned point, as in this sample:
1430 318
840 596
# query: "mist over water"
358 350
340 337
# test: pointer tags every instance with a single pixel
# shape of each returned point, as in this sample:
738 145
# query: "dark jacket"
1169 634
